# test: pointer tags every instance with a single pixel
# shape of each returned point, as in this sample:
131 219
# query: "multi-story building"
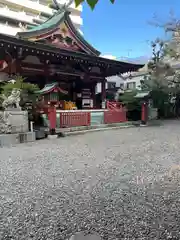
114 82
16 16
126 81
133 80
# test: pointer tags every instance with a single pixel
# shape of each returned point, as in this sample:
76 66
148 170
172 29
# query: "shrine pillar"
144 113
18 67
52 119
103 93
46 72
93 94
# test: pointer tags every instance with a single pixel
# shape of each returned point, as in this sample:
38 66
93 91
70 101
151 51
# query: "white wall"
135 80
118 80
26 11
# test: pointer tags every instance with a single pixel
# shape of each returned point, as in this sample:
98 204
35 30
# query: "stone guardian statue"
13 100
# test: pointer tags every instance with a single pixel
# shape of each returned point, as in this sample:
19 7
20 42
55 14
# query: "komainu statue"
13 100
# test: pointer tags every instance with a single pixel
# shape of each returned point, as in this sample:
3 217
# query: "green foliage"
129 100
91 3
28 91
20 84
160 73
161 80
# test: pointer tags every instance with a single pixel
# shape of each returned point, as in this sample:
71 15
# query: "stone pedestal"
7 140
18 120
15 128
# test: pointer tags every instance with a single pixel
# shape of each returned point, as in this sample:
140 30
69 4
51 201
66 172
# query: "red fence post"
89 119
144 113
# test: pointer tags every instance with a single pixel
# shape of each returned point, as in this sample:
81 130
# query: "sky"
123 29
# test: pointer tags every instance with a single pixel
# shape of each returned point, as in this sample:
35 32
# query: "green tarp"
50 87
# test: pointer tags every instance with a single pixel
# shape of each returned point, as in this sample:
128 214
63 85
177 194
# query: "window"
131 85
122 85
43 2
31 14
111 85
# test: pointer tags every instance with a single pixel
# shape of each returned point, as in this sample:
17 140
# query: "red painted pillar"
52 119
144 113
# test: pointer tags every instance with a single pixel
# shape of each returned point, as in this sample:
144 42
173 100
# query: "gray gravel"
114 183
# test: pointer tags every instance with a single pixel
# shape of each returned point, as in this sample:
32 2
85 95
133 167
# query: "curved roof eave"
52 23
80 38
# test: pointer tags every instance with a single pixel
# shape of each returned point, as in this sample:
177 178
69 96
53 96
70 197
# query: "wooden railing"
113 105
74 119
70 119
115 116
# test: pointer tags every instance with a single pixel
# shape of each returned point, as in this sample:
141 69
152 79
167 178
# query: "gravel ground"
115 183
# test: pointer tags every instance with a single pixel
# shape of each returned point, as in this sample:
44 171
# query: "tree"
129 100
162 80
91 3
133 104
172 27
159 71
19 83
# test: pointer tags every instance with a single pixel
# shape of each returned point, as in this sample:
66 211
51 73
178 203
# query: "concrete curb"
51 137
94 130
83 130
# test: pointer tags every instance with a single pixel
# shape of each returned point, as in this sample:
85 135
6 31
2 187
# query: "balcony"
37 7
19 16
9 30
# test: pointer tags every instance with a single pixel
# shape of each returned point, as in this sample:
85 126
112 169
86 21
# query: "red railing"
113 105
74 119
115 116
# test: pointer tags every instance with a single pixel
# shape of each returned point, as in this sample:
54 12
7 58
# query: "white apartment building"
19 15
131 80
112 82
127 81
